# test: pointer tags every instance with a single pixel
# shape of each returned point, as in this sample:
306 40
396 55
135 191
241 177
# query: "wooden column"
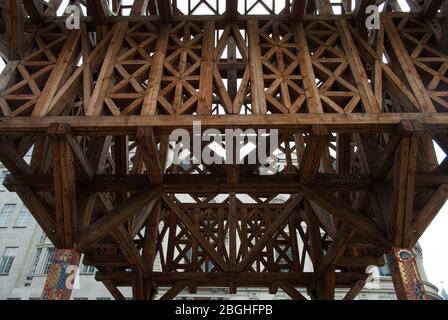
13 17
326 285
60 279
156 73
405 275
256 69
64 186
207 66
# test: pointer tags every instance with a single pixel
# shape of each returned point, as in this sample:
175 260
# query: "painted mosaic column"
61 275
405 275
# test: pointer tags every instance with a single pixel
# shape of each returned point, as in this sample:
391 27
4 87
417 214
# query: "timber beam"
203 184
127 125
240 279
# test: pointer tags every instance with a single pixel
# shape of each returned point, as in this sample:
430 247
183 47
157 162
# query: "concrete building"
26 253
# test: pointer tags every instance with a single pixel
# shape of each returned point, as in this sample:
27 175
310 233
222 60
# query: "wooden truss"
357 113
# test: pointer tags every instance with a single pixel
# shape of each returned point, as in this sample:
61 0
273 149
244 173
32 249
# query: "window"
6 214
48 260
36 261
88 269
43 238
7 259
23 218
2 178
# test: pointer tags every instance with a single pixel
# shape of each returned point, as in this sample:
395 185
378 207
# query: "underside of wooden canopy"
357 114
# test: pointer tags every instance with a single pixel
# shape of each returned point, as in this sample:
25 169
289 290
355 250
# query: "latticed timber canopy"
357 114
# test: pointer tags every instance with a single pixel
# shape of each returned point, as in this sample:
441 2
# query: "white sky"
434 241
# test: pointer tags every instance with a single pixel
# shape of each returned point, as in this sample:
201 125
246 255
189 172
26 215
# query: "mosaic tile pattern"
55 286
405 275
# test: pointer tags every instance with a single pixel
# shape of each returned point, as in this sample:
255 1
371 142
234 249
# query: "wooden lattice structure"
357 112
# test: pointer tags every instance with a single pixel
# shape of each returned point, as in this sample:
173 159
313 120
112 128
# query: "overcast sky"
434 241
434 244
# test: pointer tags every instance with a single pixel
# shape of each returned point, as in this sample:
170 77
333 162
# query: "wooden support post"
156 72
64 186
13 16
256 69
310 162
306 67
298 9
232 9
403 190
444 38
232 221
405 275
150 246
150 153
207 67
99 11
165 10
61 275
325 285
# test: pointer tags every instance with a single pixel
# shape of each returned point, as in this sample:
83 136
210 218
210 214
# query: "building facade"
26 254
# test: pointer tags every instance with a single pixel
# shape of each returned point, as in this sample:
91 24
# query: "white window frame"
23 218
3 174
7 260
5 216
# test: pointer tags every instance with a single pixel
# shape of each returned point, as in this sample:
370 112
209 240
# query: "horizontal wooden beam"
221 20
208 184
120 261
127 125
240 279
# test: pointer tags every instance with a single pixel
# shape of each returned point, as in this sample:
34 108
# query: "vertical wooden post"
256 69
156 72
14 27
405 275
205 98
60 279
323 289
